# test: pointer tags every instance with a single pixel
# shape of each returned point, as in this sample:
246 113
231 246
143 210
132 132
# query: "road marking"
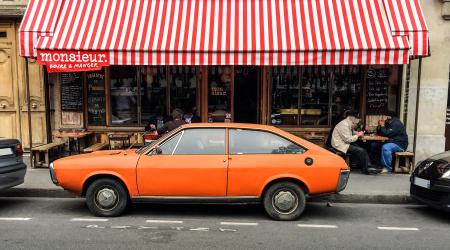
14 219
239 223
165 221
88 219
316 226
399 228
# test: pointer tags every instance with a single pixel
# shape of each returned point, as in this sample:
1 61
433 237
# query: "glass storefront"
302 97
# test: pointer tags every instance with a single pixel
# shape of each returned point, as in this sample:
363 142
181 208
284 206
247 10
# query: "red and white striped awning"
229 32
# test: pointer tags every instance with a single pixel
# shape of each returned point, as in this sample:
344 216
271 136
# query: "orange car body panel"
205 175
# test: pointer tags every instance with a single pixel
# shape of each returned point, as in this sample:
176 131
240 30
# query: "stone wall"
434 84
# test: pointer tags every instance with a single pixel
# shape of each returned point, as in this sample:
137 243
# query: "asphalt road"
51 223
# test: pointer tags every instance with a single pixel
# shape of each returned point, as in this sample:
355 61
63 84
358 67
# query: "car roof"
230 125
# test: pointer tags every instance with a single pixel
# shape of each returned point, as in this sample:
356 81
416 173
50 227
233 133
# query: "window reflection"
124 95
219 94
153 95
315 94
183 88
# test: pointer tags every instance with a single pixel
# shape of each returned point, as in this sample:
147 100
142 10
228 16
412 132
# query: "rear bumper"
343 180
433 197
12 175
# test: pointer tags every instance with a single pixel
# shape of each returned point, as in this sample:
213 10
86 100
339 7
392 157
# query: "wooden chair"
407 158
43 155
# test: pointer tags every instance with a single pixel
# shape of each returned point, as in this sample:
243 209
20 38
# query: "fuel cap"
309 161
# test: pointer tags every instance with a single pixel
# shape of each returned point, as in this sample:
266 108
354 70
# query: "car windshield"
162 138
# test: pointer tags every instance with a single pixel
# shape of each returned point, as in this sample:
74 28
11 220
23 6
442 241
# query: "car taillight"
19 150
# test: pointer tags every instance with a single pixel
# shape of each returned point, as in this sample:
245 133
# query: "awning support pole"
416 119
30 134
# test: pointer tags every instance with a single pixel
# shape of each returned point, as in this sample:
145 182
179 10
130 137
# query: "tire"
107 198
291 201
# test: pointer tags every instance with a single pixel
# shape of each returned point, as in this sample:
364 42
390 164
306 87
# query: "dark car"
430 181
12 168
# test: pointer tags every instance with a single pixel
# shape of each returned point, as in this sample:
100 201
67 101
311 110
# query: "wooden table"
74 136
375 138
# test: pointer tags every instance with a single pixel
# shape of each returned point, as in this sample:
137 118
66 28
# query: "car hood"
434 167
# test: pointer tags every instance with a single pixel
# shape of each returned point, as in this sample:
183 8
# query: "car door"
256 156
192 162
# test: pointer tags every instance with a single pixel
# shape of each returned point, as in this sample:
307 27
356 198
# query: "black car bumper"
12 175
437 196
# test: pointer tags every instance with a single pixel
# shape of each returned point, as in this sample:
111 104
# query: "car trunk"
10 152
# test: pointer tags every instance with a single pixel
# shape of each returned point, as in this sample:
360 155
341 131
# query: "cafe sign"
73 61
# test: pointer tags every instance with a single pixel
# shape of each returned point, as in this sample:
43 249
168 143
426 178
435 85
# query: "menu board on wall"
96 98
72 92
377 91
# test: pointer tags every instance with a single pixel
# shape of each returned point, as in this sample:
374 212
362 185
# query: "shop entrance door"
246 94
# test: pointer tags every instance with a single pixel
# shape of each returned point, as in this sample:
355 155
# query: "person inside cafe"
343 139
394 129
177 120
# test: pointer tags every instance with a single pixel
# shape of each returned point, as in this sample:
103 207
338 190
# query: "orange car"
207 163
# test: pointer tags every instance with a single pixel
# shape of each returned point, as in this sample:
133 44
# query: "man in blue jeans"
394 129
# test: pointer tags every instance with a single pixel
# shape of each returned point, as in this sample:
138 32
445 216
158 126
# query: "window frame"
264 131
225 152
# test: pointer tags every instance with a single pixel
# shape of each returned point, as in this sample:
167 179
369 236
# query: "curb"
339 198
37 192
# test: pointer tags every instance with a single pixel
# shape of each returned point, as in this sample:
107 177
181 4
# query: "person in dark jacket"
177 115
394 129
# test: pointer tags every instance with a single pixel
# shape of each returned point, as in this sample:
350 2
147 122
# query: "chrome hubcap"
106 198
285 202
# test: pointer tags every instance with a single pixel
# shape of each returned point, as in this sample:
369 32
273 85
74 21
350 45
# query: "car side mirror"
157 150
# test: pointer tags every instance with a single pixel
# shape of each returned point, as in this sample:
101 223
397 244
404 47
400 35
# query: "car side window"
243 141
201 141
169 145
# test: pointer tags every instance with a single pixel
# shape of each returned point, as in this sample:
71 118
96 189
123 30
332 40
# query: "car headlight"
446 175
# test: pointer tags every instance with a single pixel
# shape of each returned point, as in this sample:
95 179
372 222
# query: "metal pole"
30 135
419 76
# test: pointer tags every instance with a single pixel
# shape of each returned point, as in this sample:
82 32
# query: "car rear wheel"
107 197
284 201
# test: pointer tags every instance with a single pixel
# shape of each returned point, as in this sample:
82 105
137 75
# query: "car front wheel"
284 201
106 197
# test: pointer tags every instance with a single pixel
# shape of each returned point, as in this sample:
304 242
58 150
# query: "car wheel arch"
98 176
294 180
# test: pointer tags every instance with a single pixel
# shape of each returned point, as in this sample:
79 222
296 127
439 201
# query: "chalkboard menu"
96 98
377 91
72 92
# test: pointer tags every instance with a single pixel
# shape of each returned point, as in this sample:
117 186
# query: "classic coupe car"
430 181
207 163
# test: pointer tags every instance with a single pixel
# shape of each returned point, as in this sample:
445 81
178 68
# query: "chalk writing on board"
377 91
71 92
96 98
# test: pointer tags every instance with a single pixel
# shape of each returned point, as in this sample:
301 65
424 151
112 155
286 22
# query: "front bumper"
12 175
343 180
53 174
437 196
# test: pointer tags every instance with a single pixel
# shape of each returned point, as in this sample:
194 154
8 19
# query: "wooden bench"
43 155
407 158
95 147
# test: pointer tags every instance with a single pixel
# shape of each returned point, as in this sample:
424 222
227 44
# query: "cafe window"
96 109
124 95
314 96
183 88
219 93
154 86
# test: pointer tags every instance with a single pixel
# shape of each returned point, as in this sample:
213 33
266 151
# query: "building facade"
13 94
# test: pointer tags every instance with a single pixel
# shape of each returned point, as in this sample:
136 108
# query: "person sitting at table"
177 115
394 129
344 140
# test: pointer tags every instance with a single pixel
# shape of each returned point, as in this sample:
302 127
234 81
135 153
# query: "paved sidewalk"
383 188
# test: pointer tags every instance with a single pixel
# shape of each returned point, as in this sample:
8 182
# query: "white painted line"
399 228
14 219
316 226
88 219
165 221
239 223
